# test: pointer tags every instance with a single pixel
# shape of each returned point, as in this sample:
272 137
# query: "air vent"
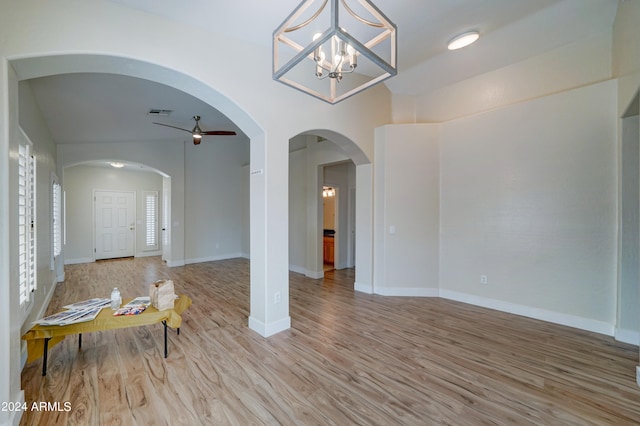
160 112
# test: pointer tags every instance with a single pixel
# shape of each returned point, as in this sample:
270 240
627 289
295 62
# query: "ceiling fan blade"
220 133
168 125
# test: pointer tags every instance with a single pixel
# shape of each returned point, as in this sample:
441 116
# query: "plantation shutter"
57 219
151 220
26 223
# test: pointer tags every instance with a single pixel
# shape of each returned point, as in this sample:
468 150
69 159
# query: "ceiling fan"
198 133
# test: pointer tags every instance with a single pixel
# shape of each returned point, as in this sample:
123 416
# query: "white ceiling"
103 107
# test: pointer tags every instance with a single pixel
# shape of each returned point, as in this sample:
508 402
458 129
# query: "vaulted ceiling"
511 31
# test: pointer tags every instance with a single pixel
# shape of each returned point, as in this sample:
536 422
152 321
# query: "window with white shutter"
26 223
151 220
56 218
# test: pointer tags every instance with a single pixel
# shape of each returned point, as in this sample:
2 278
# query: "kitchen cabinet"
328 249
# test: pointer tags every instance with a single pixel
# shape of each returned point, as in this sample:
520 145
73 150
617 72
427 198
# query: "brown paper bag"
162 294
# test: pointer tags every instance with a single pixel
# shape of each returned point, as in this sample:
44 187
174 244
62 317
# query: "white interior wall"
214 198
10 389
529 199
298 210
626 68
246 213
364 228
79 183
407 192
628 314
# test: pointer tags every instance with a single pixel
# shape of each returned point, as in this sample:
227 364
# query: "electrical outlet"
484 279
276 297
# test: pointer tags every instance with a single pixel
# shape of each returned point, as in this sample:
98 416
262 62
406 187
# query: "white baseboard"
91 260
213 258
47 299
175 263
24 353
530 312
407 291
79 260
298 269
149 253
266 330
627 336
314 275
363 288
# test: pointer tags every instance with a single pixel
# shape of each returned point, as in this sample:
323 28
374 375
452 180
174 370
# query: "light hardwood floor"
349 358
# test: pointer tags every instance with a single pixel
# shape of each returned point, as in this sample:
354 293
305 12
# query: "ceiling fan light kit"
197 133
332 49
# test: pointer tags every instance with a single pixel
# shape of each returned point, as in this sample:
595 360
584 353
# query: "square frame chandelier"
334 52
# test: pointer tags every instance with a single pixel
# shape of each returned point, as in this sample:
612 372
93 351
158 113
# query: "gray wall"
216 199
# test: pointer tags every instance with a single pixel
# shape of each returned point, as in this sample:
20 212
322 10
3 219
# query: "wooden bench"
40 337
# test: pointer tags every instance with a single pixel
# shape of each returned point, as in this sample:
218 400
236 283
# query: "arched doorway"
310 155
35 67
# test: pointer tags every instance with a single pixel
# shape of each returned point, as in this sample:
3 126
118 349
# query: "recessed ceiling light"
116 164
463 40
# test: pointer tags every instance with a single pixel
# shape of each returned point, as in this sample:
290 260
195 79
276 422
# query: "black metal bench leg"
178 331
165 338
45 355
80 341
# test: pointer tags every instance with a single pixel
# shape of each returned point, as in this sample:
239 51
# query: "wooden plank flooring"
349 358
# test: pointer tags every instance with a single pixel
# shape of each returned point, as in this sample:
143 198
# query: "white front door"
166 218
114 224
